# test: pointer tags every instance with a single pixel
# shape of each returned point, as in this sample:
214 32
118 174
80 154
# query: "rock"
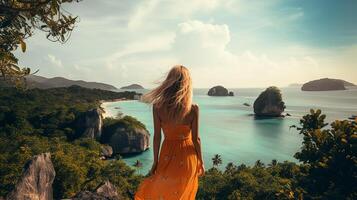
106 191
126 135
90 124
325 84
126 141
106 151
219 91
132 87
269 103
36 180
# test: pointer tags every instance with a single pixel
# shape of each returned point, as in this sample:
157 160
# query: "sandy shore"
104 106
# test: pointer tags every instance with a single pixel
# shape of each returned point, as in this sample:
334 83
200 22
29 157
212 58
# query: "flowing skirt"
176 176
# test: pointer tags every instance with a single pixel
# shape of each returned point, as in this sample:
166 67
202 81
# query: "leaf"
23 45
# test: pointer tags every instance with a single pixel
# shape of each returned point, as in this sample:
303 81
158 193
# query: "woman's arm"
157 139
196 137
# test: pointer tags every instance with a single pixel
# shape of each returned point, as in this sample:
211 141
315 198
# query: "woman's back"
175 171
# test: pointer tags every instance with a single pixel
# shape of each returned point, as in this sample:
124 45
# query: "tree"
331 155
216 160
19 19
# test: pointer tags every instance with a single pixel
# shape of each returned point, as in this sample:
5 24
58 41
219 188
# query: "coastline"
104 106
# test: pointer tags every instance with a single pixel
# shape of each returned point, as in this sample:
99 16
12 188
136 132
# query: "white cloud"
230 42
55 61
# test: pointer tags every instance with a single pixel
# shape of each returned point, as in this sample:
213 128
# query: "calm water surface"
228 128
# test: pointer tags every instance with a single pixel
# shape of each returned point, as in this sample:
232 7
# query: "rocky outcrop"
325 84
106 151
132 87
126 135
106 191
90 124
126 141
36 180
219 91
269 103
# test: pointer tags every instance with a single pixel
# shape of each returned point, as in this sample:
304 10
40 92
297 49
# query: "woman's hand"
153 169
201 168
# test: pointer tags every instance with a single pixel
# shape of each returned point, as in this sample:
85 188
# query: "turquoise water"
228 128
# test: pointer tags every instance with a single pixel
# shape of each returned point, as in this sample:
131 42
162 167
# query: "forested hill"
34 81
58 96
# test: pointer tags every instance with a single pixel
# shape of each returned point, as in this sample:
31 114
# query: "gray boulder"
36 180
219 91
126 140
106 191
106 151
269 103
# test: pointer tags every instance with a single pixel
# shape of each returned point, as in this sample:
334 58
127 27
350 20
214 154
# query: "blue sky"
236 43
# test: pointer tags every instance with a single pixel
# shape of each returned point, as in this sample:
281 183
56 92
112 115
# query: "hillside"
34 81
132 87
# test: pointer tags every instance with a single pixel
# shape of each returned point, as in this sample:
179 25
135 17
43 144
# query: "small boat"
246 104
116 107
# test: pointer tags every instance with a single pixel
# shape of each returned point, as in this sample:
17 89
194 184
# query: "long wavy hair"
173 94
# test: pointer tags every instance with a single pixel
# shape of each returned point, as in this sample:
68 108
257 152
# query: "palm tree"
230 168
138 164
216 160
273 163
259 164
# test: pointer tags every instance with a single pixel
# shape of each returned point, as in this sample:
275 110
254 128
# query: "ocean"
229 128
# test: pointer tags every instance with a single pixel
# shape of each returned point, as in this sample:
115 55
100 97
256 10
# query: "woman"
174 173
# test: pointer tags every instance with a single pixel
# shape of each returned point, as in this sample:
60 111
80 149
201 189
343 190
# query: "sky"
234 43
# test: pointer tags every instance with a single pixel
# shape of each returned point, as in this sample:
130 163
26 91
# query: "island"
269 103
132 87
326 84
219 91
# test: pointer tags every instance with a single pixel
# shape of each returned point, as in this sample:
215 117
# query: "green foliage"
331 155
19 19
37 121
257 182
77 165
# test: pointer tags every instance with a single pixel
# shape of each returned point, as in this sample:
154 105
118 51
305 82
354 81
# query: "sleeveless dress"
176 176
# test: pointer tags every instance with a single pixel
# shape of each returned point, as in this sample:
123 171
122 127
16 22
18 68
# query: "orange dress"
176 176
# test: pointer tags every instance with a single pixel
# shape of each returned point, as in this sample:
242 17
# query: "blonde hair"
173 94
